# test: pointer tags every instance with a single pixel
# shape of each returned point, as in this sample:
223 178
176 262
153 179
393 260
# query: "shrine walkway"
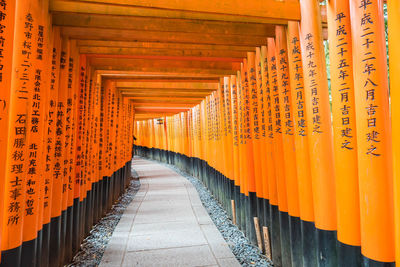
166 225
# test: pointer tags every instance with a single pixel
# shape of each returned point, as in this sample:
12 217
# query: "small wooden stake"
266 243
233 211
258 233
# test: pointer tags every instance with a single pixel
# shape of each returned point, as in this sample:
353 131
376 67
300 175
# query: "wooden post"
262 103
267 246
319 130
375 172
229 139
266 85
280 233
306 205
270 155
7 44
255 132
258 233
233 212
235 142
394 69
242 149
288 143
344 133
22 80
35 130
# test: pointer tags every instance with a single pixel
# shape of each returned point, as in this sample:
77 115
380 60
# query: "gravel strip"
93 246
244 251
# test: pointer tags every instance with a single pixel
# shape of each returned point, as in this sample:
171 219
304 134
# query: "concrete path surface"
166 225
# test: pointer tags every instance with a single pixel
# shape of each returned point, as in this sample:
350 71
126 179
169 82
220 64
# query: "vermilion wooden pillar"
375 172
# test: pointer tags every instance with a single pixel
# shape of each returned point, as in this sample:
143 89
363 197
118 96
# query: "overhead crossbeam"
261 11
161 24
167 85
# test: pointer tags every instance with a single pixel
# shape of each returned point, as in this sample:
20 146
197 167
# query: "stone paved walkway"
166 225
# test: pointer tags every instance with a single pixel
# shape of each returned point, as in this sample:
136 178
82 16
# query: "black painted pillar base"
285 239
29 252
326 244
55 241
43 258
267 216
63 236
11 257
275 236
309 243
260 211
348 255
366 262
68 235
295 241
252 213
75 226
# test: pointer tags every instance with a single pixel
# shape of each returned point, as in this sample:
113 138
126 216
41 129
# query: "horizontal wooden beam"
143 110
166 79
147 116
150 117
166 92
167 85
161 113
161 45
124 63
167 101
284 9
155 73
181 71
258 11
164 57
172 98
160 24
158 36
161 52
161 105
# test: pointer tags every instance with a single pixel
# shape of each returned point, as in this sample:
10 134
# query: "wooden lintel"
109 69
166 92
167 85
161 45
169 64
161 24
166 79
172 98
157 36
181 53
164 105
258 11
156 73
166 101
160 110
163 57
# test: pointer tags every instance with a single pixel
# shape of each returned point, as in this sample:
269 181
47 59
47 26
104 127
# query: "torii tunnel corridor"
287 111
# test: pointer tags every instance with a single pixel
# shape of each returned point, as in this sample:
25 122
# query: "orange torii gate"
334 190
234 93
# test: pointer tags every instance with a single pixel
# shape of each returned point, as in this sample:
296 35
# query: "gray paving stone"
115 251
163 227
202 215
166 240
217 243
186 256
